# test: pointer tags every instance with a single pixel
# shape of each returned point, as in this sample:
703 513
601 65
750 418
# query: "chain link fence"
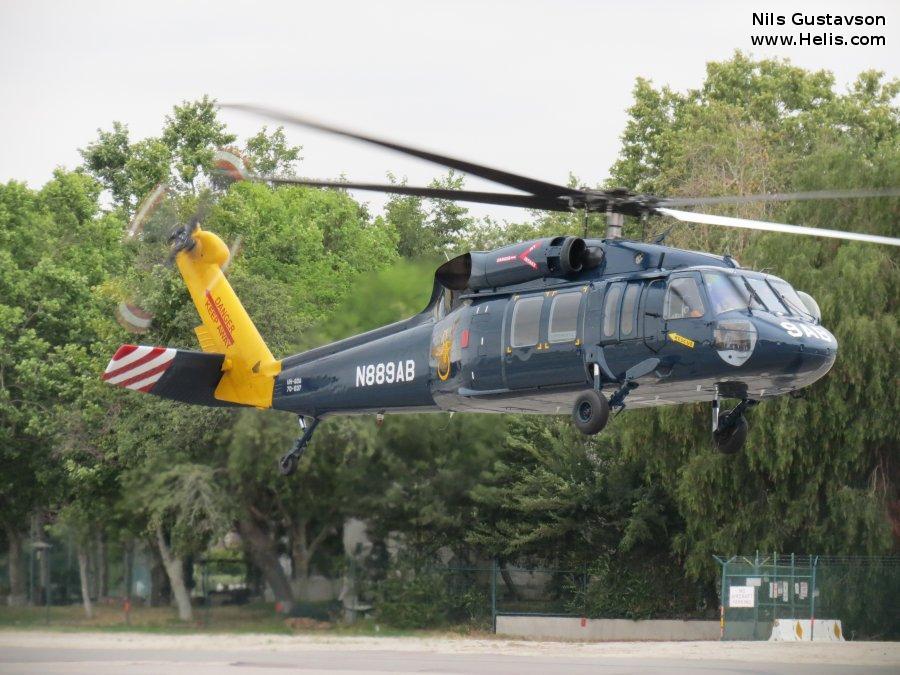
862 592
429 596
228 592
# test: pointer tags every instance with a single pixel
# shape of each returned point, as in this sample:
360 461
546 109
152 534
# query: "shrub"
411 599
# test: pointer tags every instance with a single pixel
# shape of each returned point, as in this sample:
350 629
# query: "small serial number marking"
680 339
385 373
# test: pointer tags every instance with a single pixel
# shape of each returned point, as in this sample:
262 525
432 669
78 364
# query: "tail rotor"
159 221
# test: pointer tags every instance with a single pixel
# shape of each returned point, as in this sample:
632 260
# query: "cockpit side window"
683 299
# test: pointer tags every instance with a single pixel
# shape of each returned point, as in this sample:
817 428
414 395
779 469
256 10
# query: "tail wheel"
288 464
591 412
731 440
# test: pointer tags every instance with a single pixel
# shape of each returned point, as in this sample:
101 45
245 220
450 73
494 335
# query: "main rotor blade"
534 186
499 198
707 219
783 197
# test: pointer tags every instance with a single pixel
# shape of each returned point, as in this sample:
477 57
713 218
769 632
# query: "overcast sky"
536 87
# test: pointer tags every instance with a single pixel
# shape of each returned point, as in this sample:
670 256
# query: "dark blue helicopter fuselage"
532 347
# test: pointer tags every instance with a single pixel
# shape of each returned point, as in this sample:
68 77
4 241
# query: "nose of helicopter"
813 352
801 353
814 360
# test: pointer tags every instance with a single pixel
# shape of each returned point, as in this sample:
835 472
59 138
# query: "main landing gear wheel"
731 439
591 412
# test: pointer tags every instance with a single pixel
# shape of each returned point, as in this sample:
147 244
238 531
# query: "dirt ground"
858 654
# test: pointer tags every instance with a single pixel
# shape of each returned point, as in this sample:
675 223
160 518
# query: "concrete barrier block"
804 630
600 630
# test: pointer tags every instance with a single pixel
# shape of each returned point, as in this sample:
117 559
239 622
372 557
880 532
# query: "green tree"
432 232
186 509
408 218
106 158
192 133
556 498
447 220
52 328
426 467
270 154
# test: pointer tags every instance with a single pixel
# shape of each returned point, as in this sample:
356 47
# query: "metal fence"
754 591
862 592
52 588
518 591
426 596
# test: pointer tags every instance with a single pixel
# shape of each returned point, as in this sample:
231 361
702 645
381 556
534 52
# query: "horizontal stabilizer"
177 374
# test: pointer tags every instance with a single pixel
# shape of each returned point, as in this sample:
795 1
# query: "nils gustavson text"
826 39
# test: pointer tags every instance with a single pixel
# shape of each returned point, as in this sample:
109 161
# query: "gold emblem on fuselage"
441 354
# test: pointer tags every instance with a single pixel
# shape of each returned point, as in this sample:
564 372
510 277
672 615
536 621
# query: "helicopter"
556 325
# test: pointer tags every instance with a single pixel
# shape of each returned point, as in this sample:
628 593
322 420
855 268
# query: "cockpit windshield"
792 299
766 295
729 292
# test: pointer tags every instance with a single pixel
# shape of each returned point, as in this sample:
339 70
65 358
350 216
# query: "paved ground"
102 653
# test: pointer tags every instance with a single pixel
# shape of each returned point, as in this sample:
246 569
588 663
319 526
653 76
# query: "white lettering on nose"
792 329
809 331
824 334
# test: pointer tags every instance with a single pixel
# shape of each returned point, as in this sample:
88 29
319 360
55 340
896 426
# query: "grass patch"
255 618
252 618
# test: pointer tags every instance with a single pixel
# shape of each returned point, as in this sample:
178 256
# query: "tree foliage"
270 154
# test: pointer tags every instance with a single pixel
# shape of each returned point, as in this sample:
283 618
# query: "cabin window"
629 306
683 299
611 309
526 322
564 317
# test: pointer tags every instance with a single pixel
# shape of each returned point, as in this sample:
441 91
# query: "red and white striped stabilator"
138 368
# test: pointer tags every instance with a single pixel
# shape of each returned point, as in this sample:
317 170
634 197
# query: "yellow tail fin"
249 367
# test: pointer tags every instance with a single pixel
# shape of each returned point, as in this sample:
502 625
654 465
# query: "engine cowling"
518 263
